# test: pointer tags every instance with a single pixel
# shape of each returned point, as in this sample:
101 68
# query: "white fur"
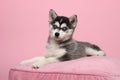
62 34
57 24
53 50
63 25
51 60
94 52
66 35
43 61
53 32
36 59
40 61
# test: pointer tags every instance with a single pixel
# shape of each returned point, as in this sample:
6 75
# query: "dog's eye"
64 28
55 27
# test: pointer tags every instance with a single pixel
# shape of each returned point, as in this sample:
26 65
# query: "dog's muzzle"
57 34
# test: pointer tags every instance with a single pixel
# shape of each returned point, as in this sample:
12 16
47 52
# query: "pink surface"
89 68
24 27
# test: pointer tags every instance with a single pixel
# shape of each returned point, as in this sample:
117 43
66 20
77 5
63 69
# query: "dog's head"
61 27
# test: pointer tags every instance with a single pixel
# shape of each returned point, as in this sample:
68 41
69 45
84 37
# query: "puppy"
60 45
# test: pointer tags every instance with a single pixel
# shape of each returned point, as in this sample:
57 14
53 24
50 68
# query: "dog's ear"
52 15
73 20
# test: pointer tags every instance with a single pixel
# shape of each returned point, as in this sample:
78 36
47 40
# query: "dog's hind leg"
94 52
43 61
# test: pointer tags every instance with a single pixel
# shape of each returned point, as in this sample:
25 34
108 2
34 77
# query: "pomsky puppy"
60 45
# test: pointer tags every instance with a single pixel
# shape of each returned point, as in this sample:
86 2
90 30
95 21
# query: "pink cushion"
87 68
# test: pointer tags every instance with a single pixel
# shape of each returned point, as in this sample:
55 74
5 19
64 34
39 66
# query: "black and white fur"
61 46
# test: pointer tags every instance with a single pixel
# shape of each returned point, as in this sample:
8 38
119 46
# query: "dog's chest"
53 50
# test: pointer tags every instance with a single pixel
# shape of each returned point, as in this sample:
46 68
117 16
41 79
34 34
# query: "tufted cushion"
87 68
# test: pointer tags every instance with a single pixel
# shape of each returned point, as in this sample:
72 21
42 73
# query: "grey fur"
75 49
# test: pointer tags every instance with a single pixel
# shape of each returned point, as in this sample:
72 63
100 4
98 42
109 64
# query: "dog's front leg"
35 59
43 61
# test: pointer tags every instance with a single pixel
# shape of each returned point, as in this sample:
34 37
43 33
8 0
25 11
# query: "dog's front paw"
37 65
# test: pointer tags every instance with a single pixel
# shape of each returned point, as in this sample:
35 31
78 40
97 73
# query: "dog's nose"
57 34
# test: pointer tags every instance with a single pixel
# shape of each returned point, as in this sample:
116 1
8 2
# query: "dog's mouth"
57 39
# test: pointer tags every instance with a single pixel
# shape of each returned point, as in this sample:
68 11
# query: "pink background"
24 27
